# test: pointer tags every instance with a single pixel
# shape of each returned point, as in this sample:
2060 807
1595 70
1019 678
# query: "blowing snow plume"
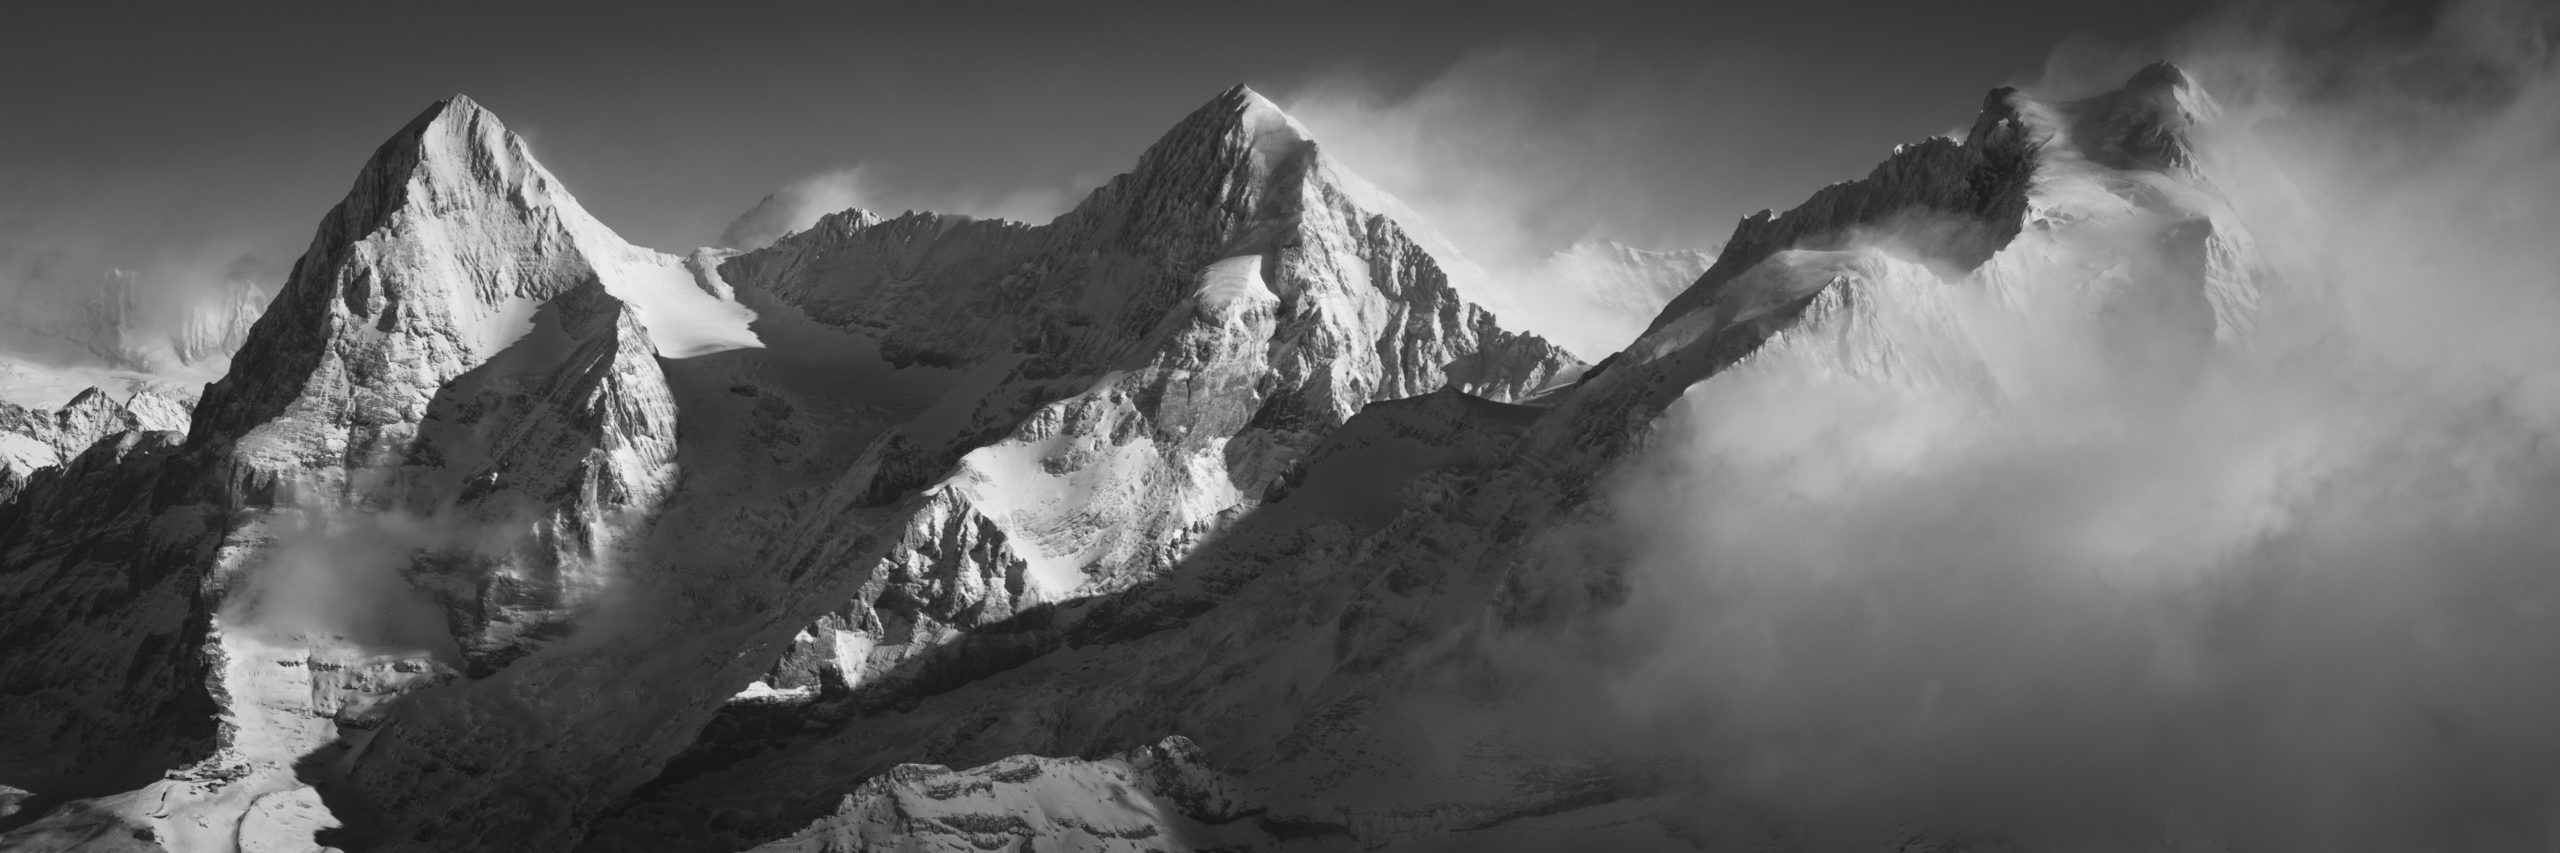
1528 166
795 207
2096 547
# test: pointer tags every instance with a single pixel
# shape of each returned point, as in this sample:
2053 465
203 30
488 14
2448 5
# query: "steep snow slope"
1338 644
539 503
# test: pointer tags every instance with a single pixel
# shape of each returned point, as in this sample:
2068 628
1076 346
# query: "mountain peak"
1238 121
453 145
1240 146
459 107
2160 75
455 120
1254 106
2143 124
450 234
1244 92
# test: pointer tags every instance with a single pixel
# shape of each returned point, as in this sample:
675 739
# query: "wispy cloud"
1522 151
801 203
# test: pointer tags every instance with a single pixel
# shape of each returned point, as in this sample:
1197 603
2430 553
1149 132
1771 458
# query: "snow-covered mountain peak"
2042 196
1958 203
2141 125
441 256
1242 112
1230 149
457 146
1272 128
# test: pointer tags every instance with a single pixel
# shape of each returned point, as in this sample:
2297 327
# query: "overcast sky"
211 129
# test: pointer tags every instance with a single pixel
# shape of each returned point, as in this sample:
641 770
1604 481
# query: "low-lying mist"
340 578
2019 559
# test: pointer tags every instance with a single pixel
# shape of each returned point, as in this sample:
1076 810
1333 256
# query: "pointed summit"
451 233
454 147
1241 148
2143 125
2162 74
1242 111
1231 147
1261 117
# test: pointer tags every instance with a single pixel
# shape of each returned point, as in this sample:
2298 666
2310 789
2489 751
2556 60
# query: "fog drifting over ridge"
2073 578
801 203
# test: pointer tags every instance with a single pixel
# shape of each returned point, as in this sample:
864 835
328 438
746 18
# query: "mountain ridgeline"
504 534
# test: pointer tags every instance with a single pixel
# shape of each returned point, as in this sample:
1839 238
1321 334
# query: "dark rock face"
107 674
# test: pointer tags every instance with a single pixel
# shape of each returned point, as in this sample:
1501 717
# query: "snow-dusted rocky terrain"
503 534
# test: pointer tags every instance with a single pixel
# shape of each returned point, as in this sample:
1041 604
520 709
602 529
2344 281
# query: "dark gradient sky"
137 129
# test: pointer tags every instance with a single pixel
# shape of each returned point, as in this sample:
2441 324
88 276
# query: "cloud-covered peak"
2143 124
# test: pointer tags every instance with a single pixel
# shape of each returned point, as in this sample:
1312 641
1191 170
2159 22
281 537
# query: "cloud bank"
2056 570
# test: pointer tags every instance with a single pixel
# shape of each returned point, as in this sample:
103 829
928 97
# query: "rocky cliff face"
494 512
